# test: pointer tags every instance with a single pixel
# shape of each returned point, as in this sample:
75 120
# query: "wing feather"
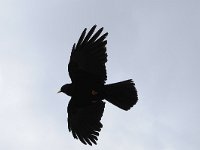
81 38
96 35
84 122
89 34
89 56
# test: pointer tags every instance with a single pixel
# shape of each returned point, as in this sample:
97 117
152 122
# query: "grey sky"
155 42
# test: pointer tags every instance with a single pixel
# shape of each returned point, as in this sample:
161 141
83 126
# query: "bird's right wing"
84 122
88 57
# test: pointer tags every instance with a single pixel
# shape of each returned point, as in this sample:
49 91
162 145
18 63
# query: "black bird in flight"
87 71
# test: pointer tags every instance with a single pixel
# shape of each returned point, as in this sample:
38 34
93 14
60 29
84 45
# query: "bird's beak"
59 91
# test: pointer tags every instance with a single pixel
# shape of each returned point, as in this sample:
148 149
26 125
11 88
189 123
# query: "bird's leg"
94 92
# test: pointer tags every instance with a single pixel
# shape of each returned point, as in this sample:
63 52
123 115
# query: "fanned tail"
122 94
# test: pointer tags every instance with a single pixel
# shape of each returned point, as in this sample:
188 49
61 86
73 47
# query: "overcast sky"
154 42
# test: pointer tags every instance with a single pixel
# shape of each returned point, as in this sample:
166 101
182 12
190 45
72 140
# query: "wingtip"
101 29
106 34
94 26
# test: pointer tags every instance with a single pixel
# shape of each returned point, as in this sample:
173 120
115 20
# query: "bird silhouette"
87 71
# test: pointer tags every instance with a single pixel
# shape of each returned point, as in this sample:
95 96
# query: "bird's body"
91 91
87 71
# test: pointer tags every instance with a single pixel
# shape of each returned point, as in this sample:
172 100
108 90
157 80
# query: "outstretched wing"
84 122
88 57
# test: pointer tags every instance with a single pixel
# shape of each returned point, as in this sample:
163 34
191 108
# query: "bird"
88 89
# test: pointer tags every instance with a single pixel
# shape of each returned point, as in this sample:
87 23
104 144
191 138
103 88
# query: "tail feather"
122 94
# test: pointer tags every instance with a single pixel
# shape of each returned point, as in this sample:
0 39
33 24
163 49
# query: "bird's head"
67 89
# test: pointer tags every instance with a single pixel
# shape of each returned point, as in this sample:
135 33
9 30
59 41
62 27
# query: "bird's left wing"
84 121
88 56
